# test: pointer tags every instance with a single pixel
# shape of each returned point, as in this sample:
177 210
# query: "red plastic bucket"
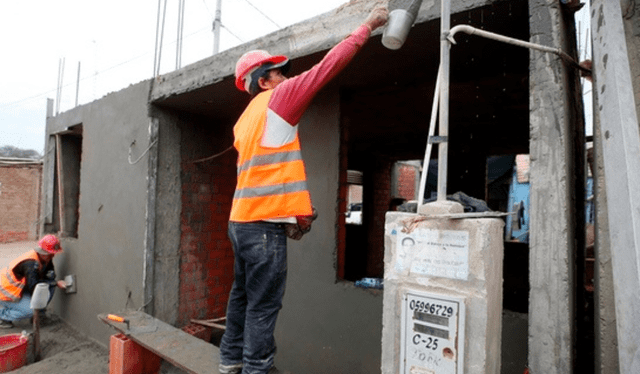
13 352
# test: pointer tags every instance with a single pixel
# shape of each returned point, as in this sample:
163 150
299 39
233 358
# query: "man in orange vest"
19 279
271 200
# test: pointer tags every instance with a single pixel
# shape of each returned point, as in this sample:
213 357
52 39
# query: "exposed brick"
207 193
19 202
199 331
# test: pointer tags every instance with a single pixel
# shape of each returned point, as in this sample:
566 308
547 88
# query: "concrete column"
454 259
557 192
165 284
616 107
606 337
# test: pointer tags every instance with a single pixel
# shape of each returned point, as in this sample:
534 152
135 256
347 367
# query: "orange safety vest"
271 181
10 286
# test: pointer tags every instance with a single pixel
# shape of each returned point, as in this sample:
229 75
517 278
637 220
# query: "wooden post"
37 352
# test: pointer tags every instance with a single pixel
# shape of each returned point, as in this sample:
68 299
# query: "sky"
112 45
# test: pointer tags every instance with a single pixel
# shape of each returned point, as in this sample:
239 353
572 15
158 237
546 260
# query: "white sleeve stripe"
277 131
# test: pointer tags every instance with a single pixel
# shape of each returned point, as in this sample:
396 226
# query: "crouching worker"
19 279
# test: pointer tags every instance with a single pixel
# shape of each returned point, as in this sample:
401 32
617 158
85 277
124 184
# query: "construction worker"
19 279
271 200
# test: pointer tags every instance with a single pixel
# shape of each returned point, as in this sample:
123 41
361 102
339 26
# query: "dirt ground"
63 349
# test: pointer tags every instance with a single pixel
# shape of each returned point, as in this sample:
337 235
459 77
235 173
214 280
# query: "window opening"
63 207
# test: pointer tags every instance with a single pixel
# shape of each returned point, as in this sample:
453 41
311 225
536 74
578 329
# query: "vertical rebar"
78 84
216 27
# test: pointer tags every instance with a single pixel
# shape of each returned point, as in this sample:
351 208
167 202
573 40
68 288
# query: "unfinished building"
143 207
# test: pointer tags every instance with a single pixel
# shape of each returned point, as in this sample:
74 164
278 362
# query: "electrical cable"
212 157
230 32
143 153
261 12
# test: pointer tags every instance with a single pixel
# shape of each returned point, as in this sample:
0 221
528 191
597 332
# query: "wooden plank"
172 344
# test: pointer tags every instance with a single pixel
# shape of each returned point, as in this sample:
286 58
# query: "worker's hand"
61 284
378 16
586 71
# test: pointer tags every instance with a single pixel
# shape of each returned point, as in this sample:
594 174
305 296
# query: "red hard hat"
50 244
252 60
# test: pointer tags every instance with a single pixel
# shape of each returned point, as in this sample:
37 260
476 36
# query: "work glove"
296 230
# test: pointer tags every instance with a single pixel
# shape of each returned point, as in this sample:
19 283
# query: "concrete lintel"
314 35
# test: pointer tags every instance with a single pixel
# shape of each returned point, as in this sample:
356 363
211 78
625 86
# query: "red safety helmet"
50 244
254 59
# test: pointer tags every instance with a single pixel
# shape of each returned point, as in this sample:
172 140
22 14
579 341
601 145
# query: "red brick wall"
407 182
380 200
206 270
19 202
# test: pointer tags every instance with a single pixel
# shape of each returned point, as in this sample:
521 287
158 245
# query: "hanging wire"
230 32
212 157
265 16
143 153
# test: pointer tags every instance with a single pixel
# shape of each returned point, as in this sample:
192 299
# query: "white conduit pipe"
505 39
432 129
434 108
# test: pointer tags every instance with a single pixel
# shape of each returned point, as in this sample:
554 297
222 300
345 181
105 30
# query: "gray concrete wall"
107 256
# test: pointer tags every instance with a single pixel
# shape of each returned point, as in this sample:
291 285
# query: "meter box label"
438 253
432 335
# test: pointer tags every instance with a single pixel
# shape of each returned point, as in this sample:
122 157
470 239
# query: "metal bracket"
438 139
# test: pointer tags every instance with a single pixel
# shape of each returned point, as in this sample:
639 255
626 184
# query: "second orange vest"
10 286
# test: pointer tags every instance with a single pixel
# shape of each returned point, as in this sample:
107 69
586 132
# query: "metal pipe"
427 154
505 39
443 124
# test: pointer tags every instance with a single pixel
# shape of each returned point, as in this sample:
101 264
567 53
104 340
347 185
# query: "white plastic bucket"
398 26
40 296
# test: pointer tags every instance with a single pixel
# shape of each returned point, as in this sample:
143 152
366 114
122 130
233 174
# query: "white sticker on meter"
430 334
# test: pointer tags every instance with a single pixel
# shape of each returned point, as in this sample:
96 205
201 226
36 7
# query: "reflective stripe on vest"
271 180
11 287
270 190
274 158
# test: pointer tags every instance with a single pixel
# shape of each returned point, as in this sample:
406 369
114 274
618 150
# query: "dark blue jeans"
260 250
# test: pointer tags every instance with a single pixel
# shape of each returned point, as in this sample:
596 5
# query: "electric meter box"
432 334
442 307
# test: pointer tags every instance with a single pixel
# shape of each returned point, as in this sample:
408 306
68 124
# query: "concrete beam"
621 151
314 35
